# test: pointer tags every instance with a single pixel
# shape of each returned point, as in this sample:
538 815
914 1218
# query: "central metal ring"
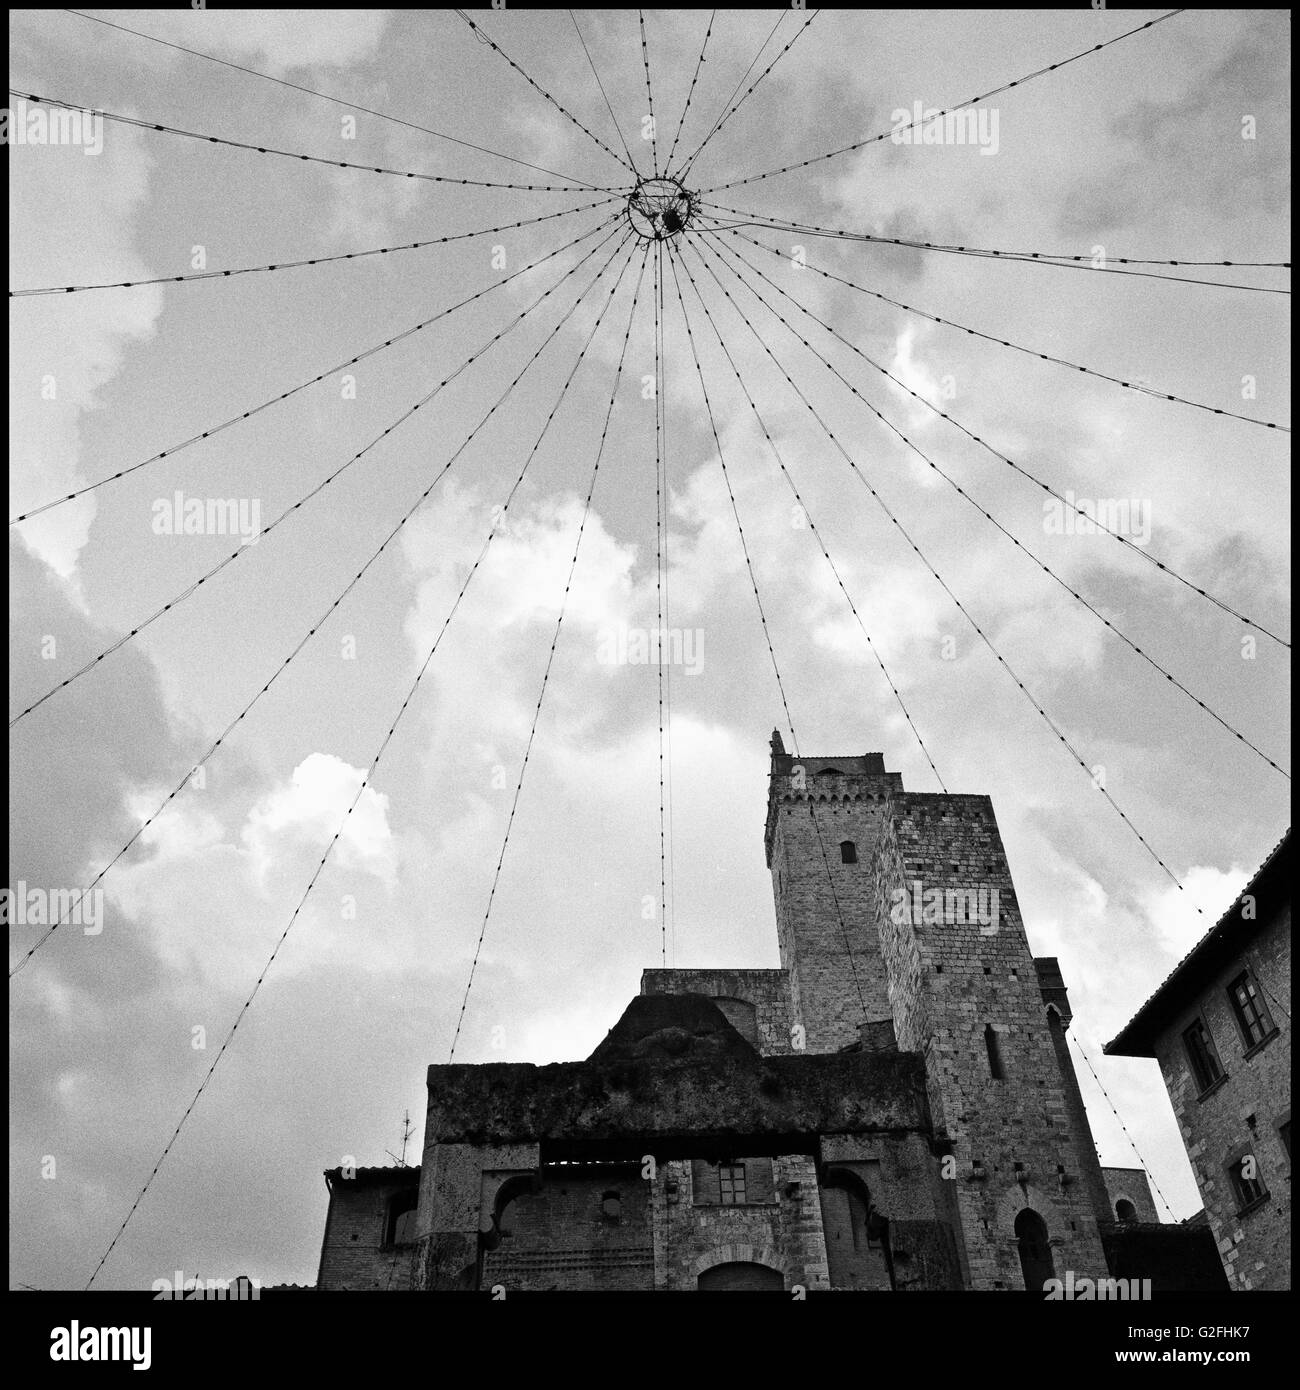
659 209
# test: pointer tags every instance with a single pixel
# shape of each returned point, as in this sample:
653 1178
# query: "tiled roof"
1134 1040
367 1175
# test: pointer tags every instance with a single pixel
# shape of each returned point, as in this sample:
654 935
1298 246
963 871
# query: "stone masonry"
1235 1116
893 1109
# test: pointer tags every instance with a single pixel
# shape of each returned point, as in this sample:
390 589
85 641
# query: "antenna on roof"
407 1130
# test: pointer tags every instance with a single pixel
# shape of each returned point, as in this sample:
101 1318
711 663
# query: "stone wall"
782 1232
1242 1113
965 994
1129 1185
910 1230
767 991
824 906
559 1235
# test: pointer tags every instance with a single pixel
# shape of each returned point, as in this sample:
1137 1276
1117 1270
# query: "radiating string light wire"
983 636
660 631
496 48
325 96
365 781
812 525
568 583
172 450
961 492
1069 257
1018 257
1125 541
315 260
767 635
1131 1142
753 61
247 145
970 101
699 63
283 666
749 91
177 599
1141 387
591 63
650 96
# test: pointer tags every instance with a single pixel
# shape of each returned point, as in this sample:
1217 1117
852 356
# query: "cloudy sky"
1138 150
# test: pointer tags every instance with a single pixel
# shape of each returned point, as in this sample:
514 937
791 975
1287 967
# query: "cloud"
65 350
916 375
312 807
281 40
367 988
1173 914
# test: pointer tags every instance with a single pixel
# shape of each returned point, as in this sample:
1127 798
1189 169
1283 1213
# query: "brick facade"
358 1252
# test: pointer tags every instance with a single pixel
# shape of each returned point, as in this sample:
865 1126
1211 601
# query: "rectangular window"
1252 1013
1246 1184
1202 1056
731 1184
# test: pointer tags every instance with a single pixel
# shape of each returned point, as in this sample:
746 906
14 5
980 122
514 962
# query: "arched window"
400 1225
1125 1210
993 1046
518 1199
611 1207
848 852
1035 1252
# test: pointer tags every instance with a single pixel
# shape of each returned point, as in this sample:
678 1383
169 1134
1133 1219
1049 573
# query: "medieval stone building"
894 1108
1220 1027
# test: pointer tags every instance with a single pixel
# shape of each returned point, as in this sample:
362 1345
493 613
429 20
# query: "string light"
961 492
159 128
932 115
172 450
1145 390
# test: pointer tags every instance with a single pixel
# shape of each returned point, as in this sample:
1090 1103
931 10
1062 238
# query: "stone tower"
824 820
895 905
893 1109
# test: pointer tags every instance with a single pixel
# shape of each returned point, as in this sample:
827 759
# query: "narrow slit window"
993 1045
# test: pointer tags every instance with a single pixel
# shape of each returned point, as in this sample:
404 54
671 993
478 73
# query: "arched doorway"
740 1277
1035 1253
857 1240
